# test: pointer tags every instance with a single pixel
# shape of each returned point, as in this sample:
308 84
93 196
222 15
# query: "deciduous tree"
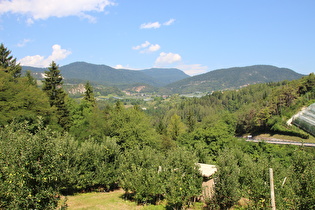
175 127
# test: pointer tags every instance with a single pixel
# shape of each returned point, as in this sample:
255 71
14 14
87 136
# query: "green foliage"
307 84
8 63
255 180
175 127
86 121
96 164
30 172
227 187
277 125
149 176
35 168
53 88
31 80
207 141
21 101
304 172
140 174
52 85
131 127
243 171
89 95
182 178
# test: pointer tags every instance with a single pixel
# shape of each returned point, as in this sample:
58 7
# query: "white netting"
306 119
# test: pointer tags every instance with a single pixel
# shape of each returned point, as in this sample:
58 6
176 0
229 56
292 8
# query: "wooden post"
272 190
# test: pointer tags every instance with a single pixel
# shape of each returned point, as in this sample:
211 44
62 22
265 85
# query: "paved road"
275 141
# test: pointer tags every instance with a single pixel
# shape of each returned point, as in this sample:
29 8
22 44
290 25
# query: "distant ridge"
172 80
106 75
103 74
233 78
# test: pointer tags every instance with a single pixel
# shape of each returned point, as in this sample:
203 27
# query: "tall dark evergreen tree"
88 94
8 63
53 88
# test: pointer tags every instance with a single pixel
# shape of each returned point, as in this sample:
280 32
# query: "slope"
233 78
103 74
106 75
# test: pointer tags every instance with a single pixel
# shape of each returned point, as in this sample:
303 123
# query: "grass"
111 200
311 139
105 200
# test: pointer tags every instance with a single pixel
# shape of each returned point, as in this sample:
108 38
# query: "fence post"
272 190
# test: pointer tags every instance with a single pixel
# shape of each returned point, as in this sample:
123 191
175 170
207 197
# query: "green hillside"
103 74
233 78
106 75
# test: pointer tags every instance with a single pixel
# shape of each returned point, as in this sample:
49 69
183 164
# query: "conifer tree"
88 94
30 79
53 88
8 63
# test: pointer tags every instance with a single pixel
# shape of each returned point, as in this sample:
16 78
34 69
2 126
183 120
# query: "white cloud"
143 45
193 69
147 47
35 60
40 61
190 69
154 47
169 22
41 9
29 21
167 58
156 24
119 66
23 43
150 25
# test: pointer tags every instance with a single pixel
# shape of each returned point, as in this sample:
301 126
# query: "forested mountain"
233 78
175 80
106 75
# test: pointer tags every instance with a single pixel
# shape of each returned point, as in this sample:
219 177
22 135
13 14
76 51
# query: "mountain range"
171 79
233 78
106 75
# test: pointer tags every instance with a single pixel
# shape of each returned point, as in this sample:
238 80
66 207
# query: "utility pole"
272 190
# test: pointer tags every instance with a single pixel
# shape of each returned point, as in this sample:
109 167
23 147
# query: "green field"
104 200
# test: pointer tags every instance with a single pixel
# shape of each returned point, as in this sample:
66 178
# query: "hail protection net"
306 119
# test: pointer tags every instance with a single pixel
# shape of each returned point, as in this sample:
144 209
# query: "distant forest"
52 145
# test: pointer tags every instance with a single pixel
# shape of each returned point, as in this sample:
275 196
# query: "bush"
29 168
35 168
149 176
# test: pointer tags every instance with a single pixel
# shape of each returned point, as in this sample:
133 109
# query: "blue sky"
194 36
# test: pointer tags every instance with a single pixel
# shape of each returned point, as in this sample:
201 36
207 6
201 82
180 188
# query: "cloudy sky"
194 36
